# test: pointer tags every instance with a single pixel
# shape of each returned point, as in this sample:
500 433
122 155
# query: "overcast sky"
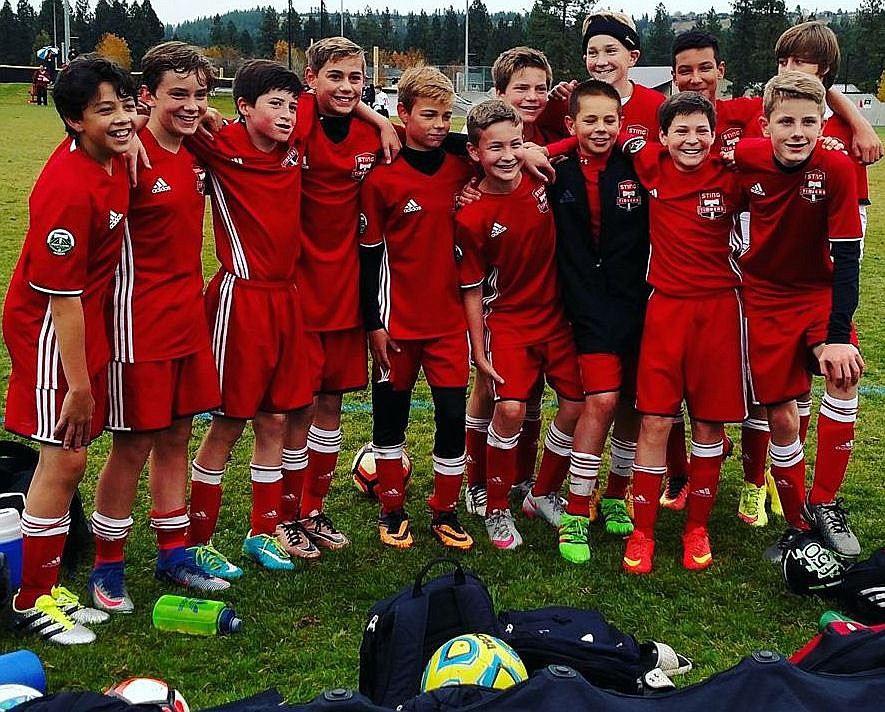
174 11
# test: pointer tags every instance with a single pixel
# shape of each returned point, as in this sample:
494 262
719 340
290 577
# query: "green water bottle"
195 616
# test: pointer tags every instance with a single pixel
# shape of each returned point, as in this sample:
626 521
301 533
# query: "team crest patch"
60 242
711 205
362 164
540 194
628 195
200 176
637 130
814 186
291 158
731 136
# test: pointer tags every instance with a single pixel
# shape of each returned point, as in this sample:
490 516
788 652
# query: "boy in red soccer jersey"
604 293
693 199
162 369
518 330
341 145
254 308
54 327
407 248
801 277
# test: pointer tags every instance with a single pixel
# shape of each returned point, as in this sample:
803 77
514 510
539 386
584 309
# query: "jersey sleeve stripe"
474 284
56 292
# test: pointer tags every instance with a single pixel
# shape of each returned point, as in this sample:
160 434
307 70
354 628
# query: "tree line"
747 34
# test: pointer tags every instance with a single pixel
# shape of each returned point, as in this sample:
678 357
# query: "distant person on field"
382 103
42 80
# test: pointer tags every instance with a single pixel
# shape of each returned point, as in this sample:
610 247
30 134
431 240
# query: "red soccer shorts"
522 366
444 360
779 340
338 360
693 349
604 373
259 346
150 395
33 412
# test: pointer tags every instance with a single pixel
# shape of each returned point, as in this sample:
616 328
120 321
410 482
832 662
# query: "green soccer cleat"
751 508
773 495
614 516
573 543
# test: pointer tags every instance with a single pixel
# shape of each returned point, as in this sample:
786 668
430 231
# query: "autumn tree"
115 48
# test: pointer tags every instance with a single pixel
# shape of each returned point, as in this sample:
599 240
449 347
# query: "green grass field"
302 630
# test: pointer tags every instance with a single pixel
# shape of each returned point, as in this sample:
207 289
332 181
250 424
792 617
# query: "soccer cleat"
675 493
574 545
595 499
51 623
521 489
322 532
475 499
502 529
751 508
830 521
70 605
181 569
549 507
266 551
214 563
773 494
615 517
727 446
638 554
696 554
394 529
774 553
107 584
448 531
296 541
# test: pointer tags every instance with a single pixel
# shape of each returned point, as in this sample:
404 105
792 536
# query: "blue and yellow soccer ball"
474 659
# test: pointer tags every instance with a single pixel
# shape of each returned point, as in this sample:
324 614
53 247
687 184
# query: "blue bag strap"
458 573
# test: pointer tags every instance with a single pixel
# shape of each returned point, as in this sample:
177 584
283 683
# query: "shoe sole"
110 606
447 541
695 565
533 512
571 560
396 543
636 570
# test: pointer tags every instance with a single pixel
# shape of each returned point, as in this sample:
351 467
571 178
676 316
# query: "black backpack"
403 631
578 638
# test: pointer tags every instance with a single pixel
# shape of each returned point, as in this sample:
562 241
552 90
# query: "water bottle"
195 616
11 544
22 668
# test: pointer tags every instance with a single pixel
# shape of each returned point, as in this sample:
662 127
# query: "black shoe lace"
834 516
323 522
295 535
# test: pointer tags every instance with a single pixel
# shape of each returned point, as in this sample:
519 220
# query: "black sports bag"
404 631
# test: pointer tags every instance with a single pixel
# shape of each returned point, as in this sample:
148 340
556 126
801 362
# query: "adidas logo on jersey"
653 192
847 446
115 218
54 564
411 207
497 229
703 492
161 186
756 189
237 159
566 197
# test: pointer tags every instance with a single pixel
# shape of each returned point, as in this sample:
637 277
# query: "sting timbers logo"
541 196
362 164
731 136
711 205
637 130
291 158
814 186
628 195
200 176
60 242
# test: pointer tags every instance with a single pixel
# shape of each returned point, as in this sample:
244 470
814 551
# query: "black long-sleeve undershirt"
846 285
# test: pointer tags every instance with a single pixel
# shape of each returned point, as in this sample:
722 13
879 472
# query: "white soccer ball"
147 690
13 695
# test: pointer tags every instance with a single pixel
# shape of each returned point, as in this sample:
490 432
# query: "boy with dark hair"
55 329
253 306
518 330
693 199
407 248
801 277
604 293
162 371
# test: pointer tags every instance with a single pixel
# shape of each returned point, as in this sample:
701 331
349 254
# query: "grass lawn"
302 631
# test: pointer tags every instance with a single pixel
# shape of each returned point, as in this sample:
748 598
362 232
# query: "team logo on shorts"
637 130
362 164
60 242
291 158
731 136
628 195
711 205
200 175
540 194
814 187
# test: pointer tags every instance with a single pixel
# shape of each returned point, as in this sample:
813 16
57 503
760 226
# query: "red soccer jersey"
837 127
509 245
77 213
158 287
412 213
691 217
255 203
328 271
736 119
794 214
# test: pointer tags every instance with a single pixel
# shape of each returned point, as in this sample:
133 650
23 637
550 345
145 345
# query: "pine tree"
268 33
656 47
771 19
481 50
27 26
216 32
8 34
82 27
741 46
452 39
245 44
